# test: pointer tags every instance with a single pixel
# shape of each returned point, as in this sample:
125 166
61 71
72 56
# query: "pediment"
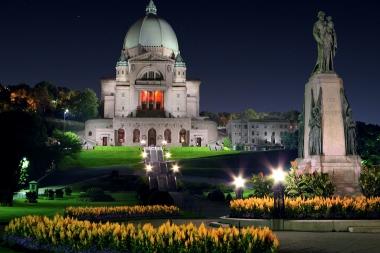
151 56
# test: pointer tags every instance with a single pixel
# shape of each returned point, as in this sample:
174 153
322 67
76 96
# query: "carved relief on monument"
315 125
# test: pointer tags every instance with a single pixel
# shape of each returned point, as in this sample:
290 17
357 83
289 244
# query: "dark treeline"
48 100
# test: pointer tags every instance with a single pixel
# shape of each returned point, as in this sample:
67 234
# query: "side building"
257 134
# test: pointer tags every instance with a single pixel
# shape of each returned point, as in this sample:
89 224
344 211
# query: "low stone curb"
355 226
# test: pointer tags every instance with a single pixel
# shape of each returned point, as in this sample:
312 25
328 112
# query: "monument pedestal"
324 92
343 172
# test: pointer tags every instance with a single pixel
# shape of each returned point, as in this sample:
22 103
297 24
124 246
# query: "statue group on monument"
325 36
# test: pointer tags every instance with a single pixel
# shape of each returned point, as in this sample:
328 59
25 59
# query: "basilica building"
150 100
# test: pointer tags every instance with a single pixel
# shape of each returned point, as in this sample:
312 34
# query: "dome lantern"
151 8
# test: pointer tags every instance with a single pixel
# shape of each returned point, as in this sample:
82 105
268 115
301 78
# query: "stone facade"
150 99
259 133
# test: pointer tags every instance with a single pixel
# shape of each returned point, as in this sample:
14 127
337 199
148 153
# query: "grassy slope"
246 163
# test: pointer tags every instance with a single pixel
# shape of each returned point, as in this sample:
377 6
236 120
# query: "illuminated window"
291 127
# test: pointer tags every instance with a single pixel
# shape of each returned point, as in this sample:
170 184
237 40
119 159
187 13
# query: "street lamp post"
164 144
239 183
279 192
64 120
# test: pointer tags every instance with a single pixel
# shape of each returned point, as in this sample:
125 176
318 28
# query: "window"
122 95
265 126
245 134
122 72
272 126
177 108
291 127
120 135
179 73
178 95
253 140
122 107
280 126
257 133
239 134
183 73
122 115
235 126
257 126
253 132
245 126
90 133
265 134
286 126
118 72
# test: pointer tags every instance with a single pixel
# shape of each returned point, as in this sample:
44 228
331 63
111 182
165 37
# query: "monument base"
343 171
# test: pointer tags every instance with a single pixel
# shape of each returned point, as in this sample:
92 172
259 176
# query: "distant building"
150 100
257 134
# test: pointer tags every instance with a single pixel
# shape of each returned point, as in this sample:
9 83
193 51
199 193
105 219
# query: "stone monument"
329 143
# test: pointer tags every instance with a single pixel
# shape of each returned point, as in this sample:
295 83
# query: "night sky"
248 54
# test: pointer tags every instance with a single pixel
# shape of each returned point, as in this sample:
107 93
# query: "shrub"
160 198
31 196
95 194
68 191
262 185
59 193
369 181
228 197
145 195
308 184
217 195
49 194
6 197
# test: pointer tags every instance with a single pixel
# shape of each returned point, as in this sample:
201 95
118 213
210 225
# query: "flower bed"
70 235
119 212
316 208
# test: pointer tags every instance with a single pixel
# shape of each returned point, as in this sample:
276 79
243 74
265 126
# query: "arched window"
182 136
136 136
90 133
152 75
120 135
168 136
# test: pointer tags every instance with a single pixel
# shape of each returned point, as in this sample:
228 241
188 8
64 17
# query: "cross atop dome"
151 8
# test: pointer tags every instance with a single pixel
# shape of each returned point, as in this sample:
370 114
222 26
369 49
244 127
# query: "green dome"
151 30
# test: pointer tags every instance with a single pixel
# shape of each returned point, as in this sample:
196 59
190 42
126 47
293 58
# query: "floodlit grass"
246 193
100 158
50 207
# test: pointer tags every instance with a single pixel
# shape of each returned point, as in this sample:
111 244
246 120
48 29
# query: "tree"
289 140
227 142
211 116
24 135
65 145
249 114
368 143
84 105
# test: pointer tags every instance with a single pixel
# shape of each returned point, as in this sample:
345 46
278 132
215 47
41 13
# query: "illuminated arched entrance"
136 136
182 136
168 136
120 135
152 137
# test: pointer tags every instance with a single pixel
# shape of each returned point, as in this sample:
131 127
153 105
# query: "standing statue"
301 131
350 132
301 126
315 124
325 36
349 125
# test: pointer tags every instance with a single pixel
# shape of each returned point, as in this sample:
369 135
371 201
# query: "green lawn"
50 207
